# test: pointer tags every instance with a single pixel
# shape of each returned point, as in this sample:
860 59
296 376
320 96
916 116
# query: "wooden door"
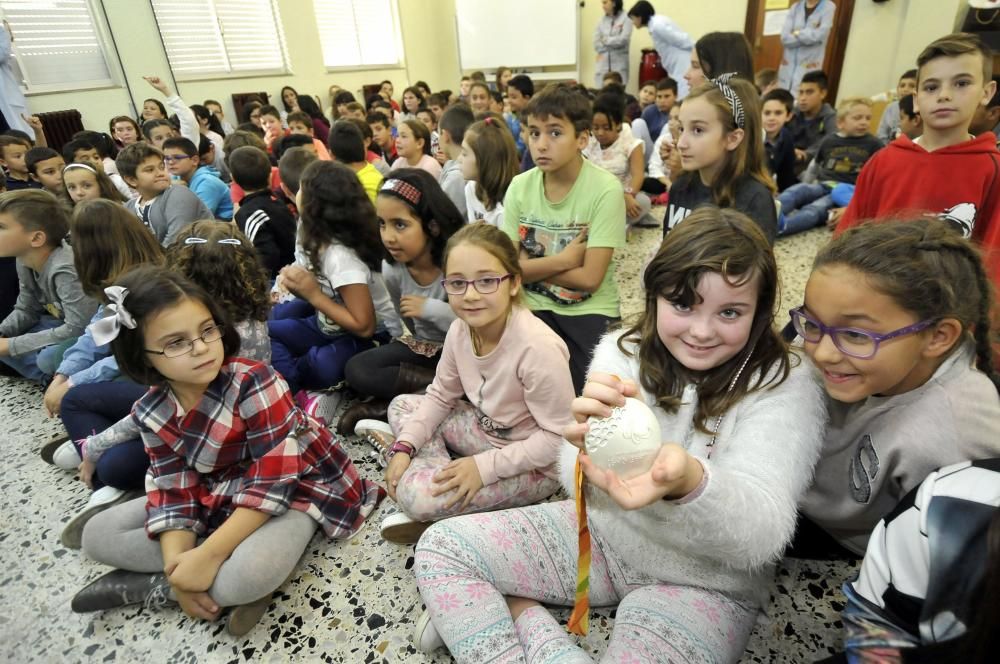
767 16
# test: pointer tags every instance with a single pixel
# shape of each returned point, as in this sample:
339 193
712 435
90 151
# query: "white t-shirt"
342 267
615 157
477 211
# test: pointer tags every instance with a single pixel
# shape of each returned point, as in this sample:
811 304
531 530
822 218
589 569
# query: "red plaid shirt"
245 444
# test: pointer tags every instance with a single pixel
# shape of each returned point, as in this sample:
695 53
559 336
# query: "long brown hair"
928 269
749 158
496 159
721 241
230 273
104 183
108 241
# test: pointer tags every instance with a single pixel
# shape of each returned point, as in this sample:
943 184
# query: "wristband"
399 446
629 190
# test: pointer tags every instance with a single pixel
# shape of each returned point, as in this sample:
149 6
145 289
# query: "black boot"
412 379
122 588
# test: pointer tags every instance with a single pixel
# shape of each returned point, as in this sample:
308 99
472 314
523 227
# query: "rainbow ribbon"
579 620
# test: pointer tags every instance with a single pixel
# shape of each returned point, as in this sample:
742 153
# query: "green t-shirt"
543 228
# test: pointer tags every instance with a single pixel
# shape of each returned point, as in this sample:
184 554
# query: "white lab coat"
674 46
611 40
804 52
12 103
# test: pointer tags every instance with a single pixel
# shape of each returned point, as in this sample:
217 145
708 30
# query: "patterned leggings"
465 566
459 433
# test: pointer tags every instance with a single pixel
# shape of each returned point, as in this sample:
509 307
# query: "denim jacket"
86 362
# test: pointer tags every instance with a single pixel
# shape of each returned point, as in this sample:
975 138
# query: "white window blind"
58 44
209 37
358 33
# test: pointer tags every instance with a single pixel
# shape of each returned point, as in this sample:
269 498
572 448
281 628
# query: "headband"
722 82
107 329
77 164
402 189
201 240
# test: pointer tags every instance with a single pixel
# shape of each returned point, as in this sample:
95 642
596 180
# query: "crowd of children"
197 299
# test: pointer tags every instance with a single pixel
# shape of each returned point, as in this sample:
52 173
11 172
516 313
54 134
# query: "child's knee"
413 496
400 408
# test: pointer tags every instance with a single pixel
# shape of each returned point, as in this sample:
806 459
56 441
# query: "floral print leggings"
461 434
466 565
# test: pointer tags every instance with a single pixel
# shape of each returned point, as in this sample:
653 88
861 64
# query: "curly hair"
335 208
230 273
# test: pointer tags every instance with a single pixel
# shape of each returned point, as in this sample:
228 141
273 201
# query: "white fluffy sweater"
729 535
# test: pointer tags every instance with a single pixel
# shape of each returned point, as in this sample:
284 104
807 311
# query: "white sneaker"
425 635
401 529
322 405
379 435
66 457
100 500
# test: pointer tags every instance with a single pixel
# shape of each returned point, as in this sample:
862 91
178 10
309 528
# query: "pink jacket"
521 392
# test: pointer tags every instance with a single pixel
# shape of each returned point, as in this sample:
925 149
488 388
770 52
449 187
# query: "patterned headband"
77 164
722 82
404 190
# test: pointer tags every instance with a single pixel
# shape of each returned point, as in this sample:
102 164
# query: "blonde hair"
492 240
845 105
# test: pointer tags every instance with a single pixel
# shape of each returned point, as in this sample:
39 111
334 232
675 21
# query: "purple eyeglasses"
851 341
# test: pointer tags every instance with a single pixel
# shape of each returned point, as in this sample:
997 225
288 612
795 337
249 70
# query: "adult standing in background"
804 35
611 40
673 44
12 103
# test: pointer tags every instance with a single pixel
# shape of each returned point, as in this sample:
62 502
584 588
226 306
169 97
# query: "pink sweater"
521 391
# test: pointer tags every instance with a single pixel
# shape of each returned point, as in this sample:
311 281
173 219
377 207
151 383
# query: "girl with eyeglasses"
684 548
240 478
498 404
897 319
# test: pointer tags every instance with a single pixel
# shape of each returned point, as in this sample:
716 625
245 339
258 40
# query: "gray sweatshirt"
55 291
437 315
453 184
877 450
171 211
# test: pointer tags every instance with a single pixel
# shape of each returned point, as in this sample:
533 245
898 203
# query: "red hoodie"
960 183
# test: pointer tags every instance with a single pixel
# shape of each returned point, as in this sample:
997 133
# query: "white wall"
884 41
430 53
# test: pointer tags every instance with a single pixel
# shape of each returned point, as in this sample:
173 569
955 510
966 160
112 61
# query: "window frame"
285 70
397 37
106 43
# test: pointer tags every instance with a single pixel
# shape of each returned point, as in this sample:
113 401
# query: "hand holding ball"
626 442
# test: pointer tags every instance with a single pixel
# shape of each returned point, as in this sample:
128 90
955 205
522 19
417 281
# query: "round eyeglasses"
184 346
483 285
851 341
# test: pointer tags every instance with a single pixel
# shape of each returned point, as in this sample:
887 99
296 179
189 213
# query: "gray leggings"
259 565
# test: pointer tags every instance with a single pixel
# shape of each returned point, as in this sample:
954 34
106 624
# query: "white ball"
626 442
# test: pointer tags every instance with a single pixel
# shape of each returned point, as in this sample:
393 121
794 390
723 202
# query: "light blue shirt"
804 51
12 103
611 40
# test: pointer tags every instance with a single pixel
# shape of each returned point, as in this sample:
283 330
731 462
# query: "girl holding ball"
685 548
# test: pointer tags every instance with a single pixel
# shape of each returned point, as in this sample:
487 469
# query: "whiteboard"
517 33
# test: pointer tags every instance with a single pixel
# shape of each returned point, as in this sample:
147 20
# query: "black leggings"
374 372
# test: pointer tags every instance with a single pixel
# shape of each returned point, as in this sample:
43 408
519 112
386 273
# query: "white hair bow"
107 329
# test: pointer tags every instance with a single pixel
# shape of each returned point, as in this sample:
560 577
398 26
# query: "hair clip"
722 82
488 120
108 328
201 240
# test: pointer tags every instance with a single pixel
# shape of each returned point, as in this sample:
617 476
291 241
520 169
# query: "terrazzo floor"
349 602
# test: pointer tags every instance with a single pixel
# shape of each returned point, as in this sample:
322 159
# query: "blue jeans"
804 206
40 365
303 354
92 408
